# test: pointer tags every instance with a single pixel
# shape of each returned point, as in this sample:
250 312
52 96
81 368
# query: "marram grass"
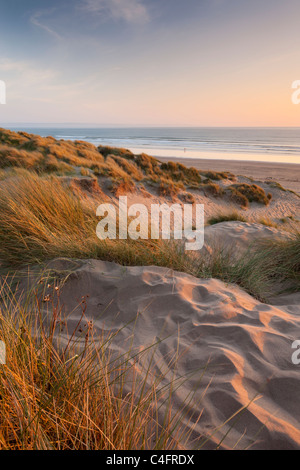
73 395
68 392
41 219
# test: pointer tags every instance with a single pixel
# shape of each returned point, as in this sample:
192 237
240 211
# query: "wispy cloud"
35 19
131 11
26 81
26 71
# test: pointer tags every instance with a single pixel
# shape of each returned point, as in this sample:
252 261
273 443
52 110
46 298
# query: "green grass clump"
253 193
239 198
112 169
82 186
187 198
118 151
52 165
8 137
71 154
232 216
120 187
288 218
216 175
181 173
84 171
266 269
168 188
267 222
287 259
275 185
149 165
12 157
129 167
212 189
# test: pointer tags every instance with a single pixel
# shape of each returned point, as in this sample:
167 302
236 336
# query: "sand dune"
239 236
245 344
222 350
285 173
283 203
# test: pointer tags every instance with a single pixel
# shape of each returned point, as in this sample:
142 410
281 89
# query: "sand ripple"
246 346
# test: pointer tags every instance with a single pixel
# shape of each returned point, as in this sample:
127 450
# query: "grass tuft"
41 218
232 216
252 193
63 390
168 188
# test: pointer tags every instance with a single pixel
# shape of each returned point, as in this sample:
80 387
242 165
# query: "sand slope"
240 236
247 345
283 204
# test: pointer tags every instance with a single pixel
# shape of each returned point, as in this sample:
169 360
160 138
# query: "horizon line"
116 126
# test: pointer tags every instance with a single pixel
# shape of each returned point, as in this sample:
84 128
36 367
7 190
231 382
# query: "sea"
232 143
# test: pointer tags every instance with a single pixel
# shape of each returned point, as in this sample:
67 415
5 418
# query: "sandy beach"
287 174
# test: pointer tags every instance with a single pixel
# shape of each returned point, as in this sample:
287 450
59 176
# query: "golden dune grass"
72 395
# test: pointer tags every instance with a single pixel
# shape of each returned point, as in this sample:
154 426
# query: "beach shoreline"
287 174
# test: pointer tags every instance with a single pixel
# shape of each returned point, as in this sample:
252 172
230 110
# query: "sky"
150 62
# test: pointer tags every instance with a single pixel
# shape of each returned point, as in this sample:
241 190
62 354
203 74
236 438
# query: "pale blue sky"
150 62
